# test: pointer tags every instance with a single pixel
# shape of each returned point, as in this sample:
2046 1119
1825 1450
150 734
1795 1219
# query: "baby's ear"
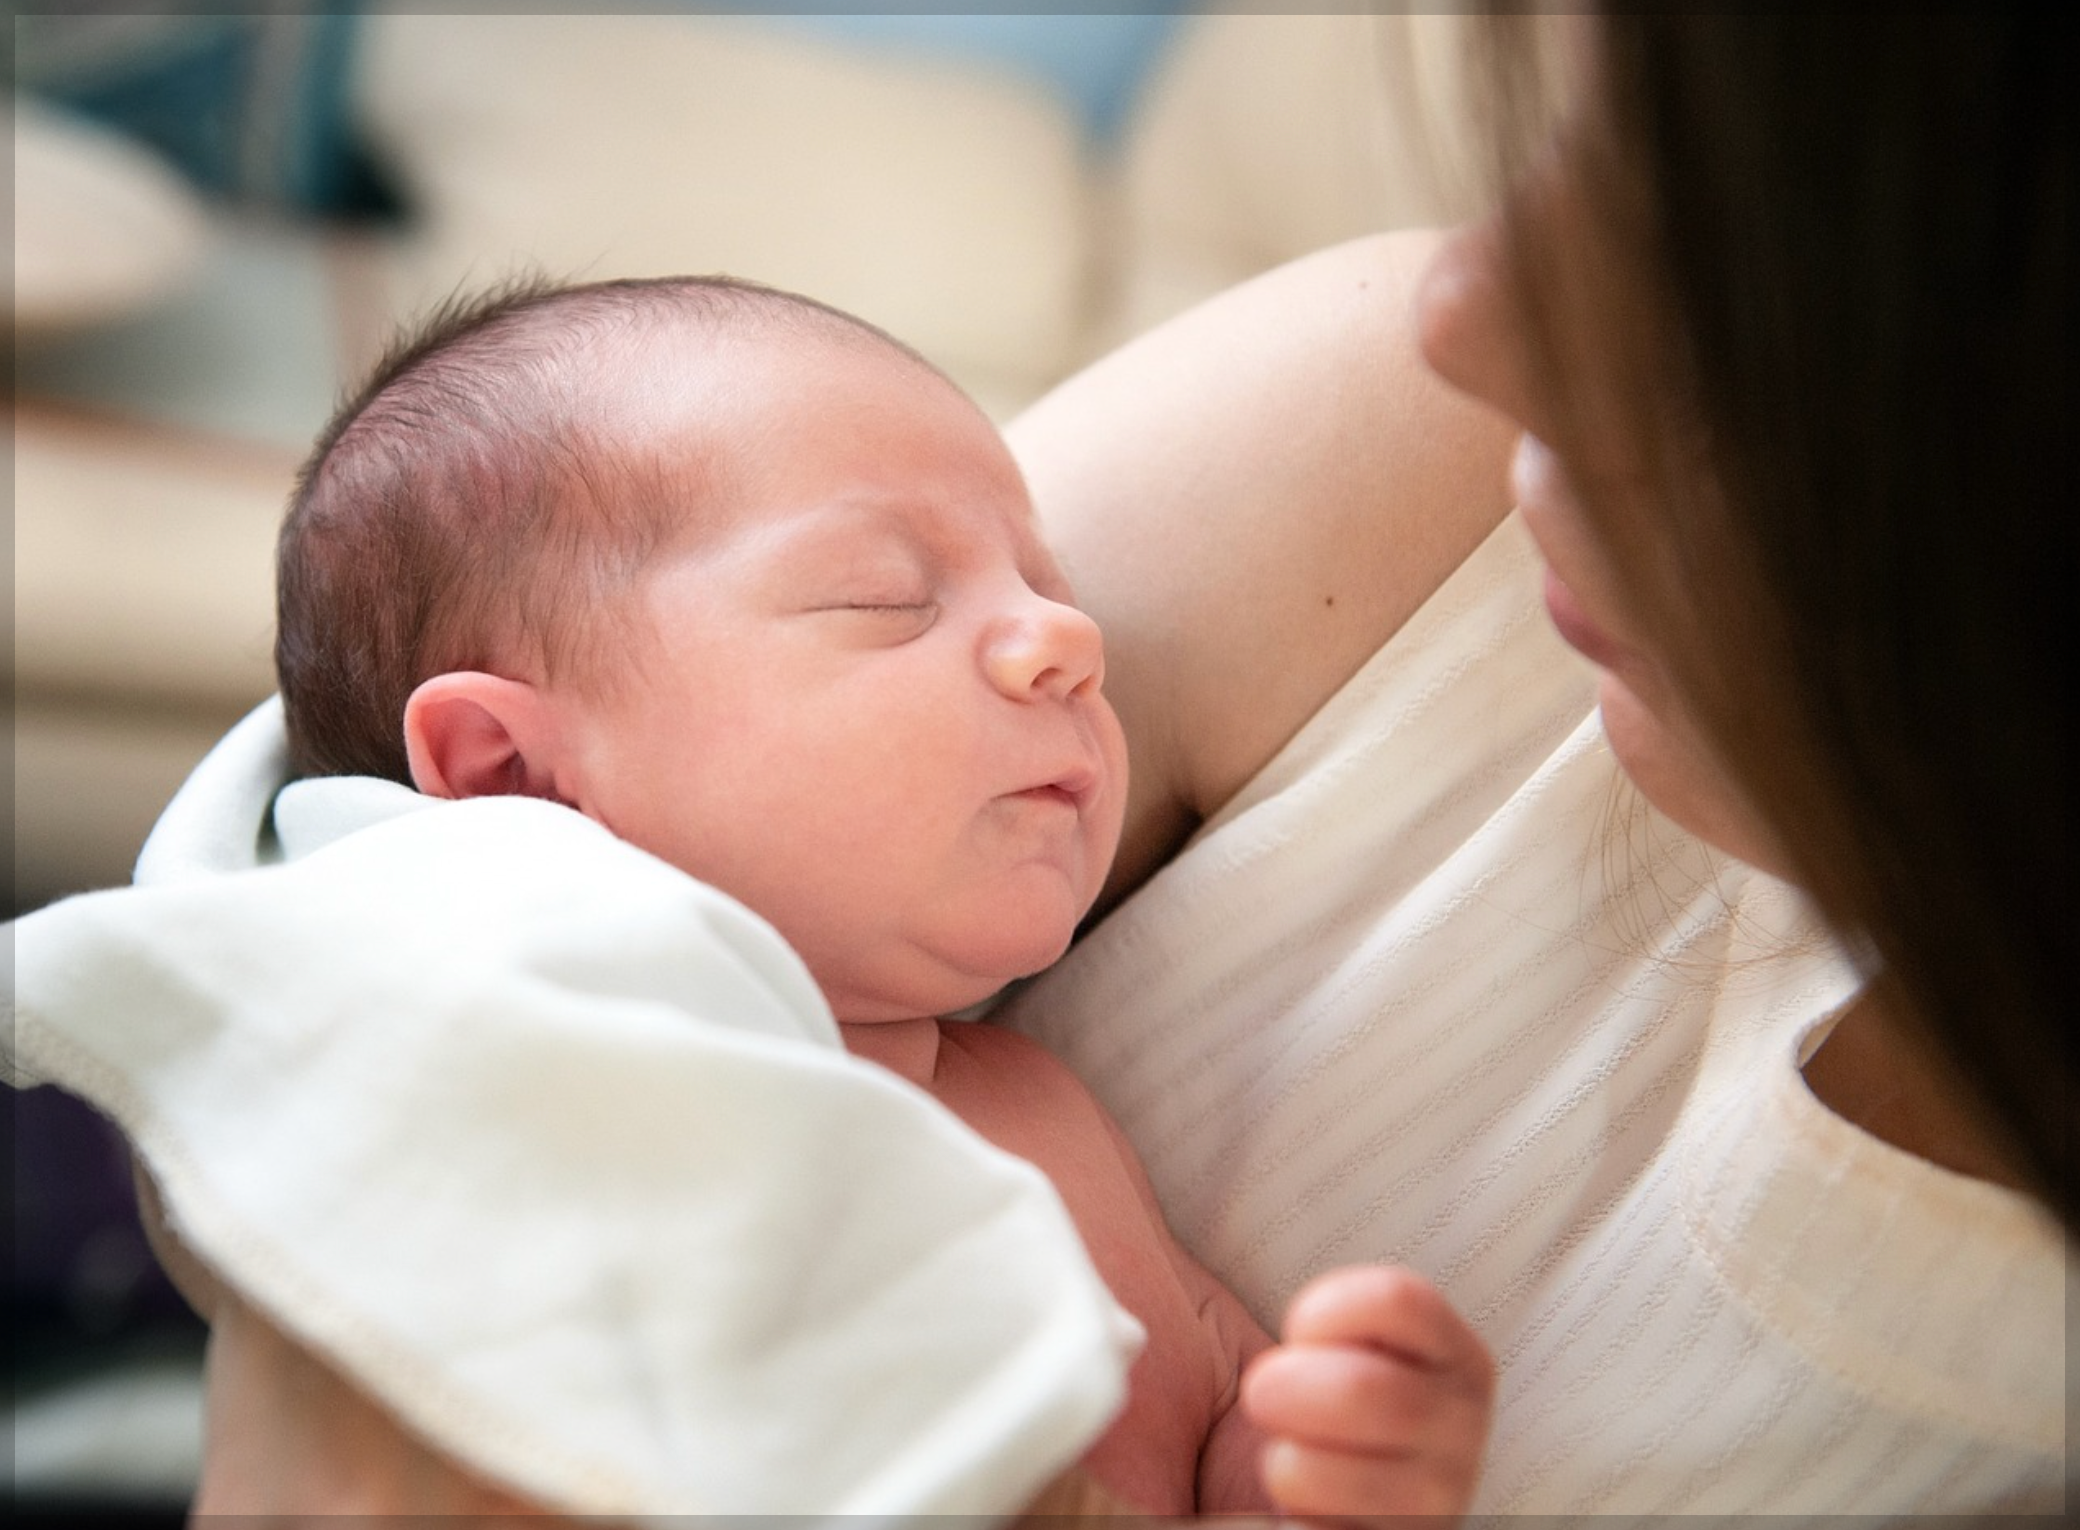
469 734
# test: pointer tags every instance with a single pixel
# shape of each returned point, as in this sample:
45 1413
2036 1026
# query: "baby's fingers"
1348 1488
1377 1402
1356 1398
1395 1310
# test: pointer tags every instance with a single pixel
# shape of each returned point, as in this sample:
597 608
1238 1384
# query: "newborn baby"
756 588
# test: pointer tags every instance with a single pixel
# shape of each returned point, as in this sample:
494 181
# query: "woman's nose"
1044 649
1465 320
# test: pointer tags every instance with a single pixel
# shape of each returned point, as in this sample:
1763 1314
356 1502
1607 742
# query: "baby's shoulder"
1019 1094
982 1040
990 1056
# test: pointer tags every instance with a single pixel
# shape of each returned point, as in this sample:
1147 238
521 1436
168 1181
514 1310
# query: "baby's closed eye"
882 619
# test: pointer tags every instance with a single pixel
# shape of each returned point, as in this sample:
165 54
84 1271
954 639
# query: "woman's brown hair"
1834 257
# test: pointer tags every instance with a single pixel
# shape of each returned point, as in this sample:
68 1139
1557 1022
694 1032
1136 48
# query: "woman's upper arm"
1251 499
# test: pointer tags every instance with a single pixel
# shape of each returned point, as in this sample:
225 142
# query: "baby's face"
865 704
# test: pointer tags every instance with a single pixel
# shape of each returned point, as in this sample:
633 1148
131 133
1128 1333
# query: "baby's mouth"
1052 794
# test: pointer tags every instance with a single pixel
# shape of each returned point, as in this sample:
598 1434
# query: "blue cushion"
1096 63
254 107
251 107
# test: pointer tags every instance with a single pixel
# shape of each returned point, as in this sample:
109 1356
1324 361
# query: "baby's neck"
907 1048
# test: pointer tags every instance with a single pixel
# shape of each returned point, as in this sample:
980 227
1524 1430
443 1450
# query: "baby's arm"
1231 1479
1377 1402
1228 1480
1375 1405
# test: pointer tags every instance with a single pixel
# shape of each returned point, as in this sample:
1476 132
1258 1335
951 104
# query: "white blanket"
556 1151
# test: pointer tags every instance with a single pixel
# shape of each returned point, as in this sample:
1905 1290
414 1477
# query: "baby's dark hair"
472 500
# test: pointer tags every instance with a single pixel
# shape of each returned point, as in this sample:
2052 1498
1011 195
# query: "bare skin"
1869 1070
1239 588
1881 1078
860 698
1183 1438
1250 501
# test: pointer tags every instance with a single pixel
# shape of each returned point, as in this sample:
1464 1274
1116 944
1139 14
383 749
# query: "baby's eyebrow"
922 529
847 533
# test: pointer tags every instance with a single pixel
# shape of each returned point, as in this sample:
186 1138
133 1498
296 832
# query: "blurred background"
220 220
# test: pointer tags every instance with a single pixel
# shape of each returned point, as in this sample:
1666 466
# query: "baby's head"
738 577
488 490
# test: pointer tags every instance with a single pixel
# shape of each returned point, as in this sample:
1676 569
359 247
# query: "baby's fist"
1377 1402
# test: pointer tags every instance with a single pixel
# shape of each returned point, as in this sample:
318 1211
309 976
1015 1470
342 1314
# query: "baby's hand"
1377 1402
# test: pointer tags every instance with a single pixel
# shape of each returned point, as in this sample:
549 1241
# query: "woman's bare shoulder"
1251 499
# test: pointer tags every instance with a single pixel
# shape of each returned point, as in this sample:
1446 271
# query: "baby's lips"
1080 783
1055 791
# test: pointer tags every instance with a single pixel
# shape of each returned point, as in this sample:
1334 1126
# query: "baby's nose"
1045 649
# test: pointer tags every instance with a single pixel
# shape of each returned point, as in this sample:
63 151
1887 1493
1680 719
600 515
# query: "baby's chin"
945 982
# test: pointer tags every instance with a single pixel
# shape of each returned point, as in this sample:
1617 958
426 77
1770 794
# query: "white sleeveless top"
1438 988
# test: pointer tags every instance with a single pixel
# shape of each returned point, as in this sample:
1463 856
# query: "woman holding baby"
1770 347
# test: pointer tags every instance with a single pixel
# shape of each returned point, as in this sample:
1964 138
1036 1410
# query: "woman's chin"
1668 763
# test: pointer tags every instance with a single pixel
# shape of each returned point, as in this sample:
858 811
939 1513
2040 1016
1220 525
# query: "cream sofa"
174 354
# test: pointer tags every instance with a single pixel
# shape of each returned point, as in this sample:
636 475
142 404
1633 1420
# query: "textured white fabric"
557 1152
1437 988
